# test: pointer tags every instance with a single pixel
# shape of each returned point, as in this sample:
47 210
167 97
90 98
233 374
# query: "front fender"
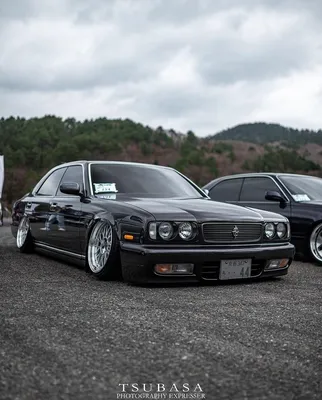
103 216
132 225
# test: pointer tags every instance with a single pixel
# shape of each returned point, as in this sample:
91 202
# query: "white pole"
1 174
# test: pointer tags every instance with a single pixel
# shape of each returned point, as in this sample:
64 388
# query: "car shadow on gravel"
235 282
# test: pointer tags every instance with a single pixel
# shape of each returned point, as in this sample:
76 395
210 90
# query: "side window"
227 190
254 189
73 174
49 187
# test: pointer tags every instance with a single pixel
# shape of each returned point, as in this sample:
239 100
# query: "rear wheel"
102 252
24 239
315 244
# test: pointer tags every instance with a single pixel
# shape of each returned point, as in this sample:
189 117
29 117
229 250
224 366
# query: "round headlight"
165 230
185 230
269 230
281 230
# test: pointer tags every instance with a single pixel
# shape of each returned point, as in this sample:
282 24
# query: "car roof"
254 174
129 163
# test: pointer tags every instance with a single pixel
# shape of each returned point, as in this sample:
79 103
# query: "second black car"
297 197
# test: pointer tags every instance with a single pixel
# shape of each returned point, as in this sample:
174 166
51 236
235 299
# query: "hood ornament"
235 231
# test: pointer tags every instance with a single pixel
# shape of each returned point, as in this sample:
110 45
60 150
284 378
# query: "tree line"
32 146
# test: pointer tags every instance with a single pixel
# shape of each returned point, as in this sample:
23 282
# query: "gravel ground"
66 335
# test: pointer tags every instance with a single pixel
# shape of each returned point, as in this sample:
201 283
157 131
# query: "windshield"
303 188
140 181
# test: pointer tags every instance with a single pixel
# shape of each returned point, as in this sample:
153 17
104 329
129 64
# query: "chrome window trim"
259 175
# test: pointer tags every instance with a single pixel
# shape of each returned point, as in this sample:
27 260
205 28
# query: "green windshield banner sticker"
111 196
105 187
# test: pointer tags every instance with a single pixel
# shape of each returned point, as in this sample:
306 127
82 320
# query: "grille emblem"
235 232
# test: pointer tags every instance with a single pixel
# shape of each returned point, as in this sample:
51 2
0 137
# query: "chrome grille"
223 232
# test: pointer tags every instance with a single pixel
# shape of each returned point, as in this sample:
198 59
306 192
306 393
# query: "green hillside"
32 146
262 133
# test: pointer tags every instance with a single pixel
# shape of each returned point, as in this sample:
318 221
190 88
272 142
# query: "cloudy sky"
202 65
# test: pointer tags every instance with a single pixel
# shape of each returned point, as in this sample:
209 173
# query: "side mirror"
70 188
272 195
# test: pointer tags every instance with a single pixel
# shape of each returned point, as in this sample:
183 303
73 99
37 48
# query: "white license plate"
235 269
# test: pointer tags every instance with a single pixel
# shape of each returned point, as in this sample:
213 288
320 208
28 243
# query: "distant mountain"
262 133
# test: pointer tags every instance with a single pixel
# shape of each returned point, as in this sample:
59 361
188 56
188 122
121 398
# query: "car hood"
202 209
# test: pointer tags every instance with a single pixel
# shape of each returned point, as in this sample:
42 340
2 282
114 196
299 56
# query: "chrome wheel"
22 233
316 243
99 247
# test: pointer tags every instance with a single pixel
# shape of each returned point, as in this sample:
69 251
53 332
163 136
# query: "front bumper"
138 261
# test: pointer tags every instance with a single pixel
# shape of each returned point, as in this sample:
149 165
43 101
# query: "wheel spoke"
316 243
22 233
99 247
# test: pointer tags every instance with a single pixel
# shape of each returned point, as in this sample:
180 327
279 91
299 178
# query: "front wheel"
315 244
102 252
24 239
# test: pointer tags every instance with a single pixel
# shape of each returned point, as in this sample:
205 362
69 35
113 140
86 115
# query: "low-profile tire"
24 240
103 257
315 244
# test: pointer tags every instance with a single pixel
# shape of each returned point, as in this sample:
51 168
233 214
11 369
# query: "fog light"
182 268
275 264
174 268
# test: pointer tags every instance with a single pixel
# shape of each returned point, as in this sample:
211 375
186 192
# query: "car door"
37 205
253 193
64 214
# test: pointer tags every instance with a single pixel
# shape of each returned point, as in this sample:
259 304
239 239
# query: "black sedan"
297 197
147 223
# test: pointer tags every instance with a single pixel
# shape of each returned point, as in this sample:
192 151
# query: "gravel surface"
66 335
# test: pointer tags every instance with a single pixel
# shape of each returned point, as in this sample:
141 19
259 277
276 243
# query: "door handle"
53 207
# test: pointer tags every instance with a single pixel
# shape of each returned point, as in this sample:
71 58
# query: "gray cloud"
224 62
10 9
186 62
84 78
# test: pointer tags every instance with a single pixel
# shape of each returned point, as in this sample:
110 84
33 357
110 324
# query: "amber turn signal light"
128 237
174 269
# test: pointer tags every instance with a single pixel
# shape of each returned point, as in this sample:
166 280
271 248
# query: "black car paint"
303 216
131 215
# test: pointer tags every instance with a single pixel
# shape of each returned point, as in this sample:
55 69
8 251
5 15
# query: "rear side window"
49 187
254 189
226 190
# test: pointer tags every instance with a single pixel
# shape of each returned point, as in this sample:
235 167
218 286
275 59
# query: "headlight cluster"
277 230
170 230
